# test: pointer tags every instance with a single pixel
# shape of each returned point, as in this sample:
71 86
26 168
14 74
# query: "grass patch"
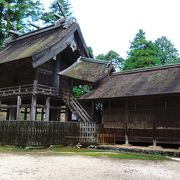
62 150
132 156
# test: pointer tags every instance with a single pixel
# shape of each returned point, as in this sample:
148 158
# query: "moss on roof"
155 81
89 70
34 43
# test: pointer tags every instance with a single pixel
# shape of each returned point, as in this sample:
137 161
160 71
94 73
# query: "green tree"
55 13
167 53
113 56
142 53
15 14
90 50
80 90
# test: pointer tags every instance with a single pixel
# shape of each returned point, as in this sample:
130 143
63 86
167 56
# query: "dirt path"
28 167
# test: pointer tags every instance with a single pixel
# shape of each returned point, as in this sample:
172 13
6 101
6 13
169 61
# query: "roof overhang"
88 70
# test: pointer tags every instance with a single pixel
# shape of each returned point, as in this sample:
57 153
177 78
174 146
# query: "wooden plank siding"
148 119
34 133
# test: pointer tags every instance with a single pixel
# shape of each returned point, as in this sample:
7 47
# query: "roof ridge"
147 69
93 60
36 32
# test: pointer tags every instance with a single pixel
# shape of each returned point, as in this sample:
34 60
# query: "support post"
126 123
68 115
0 107
25 114
42 114
7 114
92 112
154 127
18 109
47 110
33 108
35 87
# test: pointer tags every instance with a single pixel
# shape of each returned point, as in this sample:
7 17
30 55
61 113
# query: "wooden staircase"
76 107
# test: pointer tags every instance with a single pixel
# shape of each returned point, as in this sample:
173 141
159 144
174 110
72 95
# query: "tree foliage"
167 53
90 50
15 14
49 17
142 53
78 91
113 56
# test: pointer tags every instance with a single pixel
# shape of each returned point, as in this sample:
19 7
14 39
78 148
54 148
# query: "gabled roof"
88 70
40 45
154 81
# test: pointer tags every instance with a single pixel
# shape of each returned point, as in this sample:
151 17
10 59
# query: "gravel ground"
28 167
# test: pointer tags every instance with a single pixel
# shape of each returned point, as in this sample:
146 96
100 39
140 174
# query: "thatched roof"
89 70
154 81
40 45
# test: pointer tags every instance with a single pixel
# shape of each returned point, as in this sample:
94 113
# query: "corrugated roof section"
89 70
165 80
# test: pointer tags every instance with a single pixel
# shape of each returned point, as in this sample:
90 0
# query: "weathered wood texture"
88 132
29 89
144 120
106 139
34 133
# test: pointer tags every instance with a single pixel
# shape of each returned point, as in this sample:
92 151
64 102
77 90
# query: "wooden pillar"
126 123
93 110
33 108
47 109
35 87
68 114
7 114
154 126
25 114
18 109
42 114
0 107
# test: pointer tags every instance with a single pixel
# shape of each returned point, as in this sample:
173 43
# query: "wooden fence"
106 139
34 133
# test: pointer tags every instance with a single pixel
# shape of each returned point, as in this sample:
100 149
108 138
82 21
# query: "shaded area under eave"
40 45
154 81
88 70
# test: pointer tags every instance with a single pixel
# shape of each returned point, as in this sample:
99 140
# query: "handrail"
29 89
16 87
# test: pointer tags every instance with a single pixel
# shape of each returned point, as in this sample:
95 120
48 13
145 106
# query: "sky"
111 25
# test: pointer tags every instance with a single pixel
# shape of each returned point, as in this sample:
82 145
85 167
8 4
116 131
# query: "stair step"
76 107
